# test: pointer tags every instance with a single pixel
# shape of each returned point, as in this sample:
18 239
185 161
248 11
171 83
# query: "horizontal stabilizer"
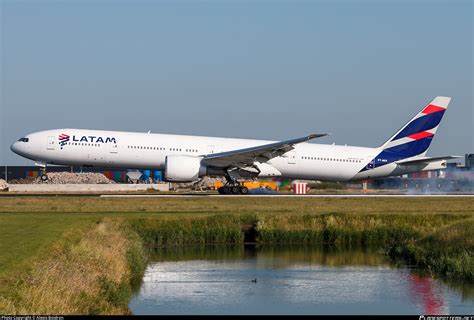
425 160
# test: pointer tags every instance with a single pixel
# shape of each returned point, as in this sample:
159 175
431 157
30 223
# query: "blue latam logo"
64 139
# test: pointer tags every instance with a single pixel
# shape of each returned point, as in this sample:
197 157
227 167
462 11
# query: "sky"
247 69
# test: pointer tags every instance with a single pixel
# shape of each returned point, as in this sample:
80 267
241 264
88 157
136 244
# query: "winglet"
317 135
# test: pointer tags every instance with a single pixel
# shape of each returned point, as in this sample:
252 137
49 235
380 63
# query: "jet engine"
184 168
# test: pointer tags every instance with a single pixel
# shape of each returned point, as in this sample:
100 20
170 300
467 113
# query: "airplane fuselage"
115 149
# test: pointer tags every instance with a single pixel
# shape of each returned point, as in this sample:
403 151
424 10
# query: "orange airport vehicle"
252 184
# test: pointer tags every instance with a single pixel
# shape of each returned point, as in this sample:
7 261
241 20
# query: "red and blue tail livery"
414 138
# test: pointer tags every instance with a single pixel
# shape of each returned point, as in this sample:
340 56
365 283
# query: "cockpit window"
23 139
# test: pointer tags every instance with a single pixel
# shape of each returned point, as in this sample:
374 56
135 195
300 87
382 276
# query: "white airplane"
188 158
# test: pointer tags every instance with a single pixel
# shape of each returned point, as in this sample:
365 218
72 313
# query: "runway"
198 195
286 196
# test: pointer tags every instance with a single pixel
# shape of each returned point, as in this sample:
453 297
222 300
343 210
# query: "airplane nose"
14 147
19 148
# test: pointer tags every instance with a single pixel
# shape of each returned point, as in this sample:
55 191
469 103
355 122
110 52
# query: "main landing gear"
233 188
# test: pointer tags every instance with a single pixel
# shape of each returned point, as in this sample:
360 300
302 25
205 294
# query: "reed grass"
185 230
449 251
346 228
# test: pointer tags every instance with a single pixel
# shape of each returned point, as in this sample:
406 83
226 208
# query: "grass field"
90 249
215 205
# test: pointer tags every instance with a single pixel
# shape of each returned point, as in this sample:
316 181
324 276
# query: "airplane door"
113 152
50 145
292 157
113 148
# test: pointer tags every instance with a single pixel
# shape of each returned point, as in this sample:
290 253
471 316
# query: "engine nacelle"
183 168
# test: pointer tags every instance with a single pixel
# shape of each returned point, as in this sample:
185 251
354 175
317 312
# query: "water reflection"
290 280
284 254
425 292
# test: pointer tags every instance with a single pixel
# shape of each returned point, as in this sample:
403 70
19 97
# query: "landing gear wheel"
226 190
235 190
244 190
44 177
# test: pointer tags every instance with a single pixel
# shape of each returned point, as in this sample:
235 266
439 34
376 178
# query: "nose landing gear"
44 174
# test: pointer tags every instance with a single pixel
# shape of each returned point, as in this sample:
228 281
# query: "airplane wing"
261 153
425 160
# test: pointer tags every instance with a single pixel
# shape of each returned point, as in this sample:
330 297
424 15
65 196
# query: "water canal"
291 279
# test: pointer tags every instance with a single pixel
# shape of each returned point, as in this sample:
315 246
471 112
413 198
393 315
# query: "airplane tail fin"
414 138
